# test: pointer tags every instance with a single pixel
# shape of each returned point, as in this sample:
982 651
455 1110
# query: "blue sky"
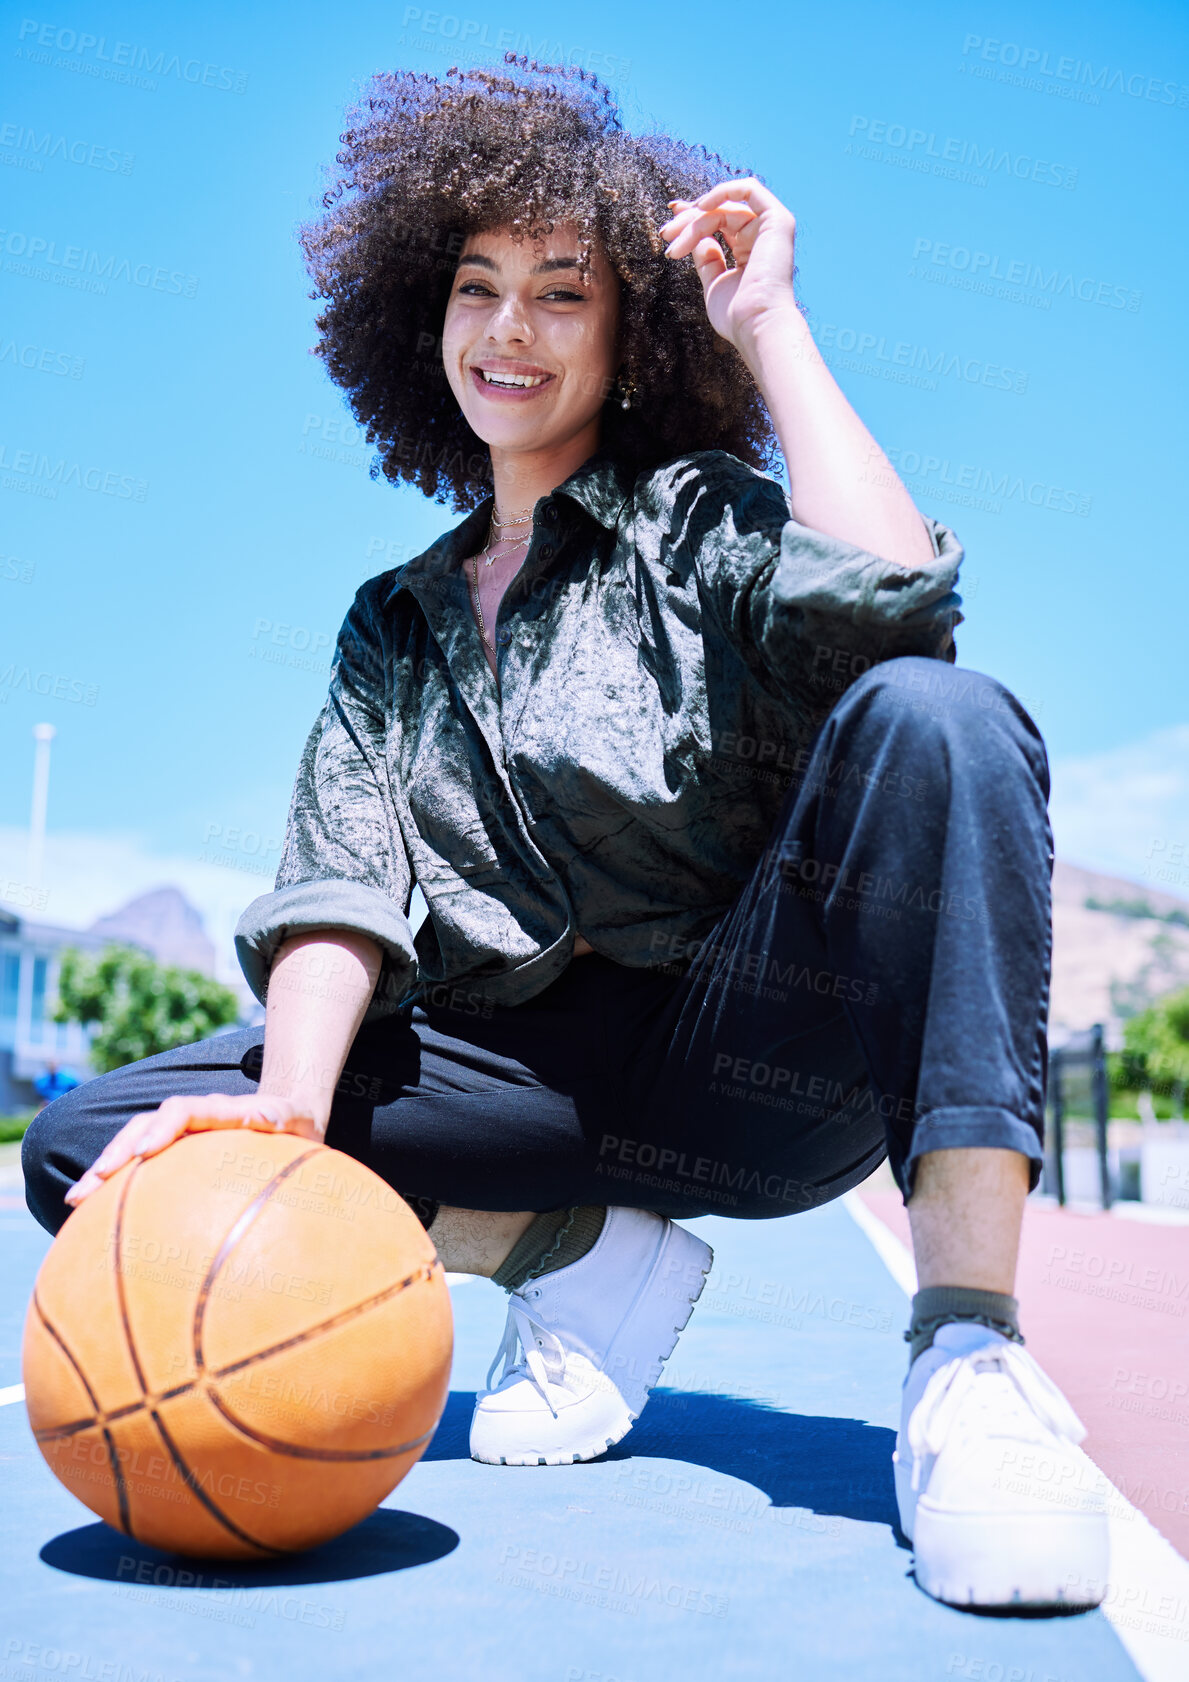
989 245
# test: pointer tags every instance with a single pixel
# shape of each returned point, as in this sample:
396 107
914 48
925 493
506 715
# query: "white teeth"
512 379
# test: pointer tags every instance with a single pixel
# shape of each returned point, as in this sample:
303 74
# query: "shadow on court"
388 1540
835 1467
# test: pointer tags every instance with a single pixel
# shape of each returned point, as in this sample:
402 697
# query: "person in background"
53 1083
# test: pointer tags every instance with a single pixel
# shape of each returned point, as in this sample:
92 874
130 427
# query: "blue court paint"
745 1528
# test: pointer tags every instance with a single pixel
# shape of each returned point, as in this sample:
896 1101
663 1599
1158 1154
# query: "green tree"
142 1007
1156 1046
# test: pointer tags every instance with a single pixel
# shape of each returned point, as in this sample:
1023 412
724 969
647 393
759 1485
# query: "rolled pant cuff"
972 1128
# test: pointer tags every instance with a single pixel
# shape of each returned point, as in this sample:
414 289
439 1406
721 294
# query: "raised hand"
759 233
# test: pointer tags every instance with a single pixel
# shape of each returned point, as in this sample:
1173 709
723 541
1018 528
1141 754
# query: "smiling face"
528 346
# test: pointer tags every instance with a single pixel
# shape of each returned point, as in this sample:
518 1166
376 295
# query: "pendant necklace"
512 544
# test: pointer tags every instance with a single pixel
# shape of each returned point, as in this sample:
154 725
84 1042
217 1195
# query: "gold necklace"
512 542
515 520
495 522
479 605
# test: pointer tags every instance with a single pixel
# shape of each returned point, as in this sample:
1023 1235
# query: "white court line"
1146 1570
895 1256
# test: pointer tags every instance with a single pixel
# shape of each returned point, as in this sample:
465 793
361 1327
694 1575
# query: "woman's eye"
559 294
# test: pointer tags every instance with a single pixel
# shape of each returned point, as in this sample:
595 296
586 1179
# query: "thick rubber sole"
588 1450
662 1318
1030 1560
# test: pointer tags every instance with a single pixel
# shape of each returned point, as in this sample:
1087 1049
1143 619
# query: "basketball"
237 1347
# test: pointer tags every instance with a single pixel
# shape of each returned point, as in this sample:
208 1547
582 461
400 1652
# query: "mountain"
166 924
1117 945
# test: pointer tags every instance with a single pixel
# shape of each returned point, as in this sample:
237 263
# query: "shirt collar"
600 487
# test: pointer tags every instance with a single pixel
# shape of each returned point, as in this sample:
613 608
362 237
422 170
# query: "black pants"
880 984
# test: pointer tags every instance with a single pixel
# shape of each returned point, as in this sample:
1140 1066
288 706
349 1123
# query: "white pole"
43 735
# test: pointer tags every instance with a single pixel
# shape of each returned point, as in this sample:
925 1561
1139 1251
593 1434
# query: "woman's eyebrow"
549 266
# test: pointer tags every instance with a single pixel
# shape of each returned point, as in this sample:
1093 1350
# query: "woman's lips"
509 393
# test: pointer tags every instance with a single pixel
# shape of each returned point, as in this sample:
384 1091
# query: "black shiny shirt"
666 654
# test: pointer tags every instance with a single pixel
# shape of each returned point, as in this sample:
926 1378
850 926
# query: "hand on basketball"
759 233
151 1130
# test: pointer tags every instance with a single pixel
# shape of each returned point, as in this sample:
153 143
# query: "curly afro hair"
423 164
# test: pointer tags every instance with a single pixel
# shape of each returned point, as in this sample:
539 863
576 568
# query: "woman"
735 883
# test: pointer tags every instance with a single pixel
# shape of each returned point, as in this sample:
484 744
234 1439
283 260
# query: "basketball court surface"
745 1528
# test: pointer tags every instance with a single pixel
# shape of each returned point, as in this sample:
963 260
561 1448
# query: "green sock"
552 1240
941 1305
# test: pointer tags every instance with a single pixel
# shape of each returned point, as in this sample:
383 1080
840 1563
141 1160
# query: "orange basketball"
237 1347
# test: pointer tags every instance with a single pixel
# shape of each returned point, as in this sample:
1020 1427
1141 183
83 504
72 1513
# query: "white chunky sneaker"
1001 1507
594 1337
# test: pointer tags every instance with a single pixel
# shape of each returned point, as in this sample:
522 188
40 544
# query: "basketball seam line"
192 1484
300 1452
186 1473
113 1457
121 1299
424 1272
238 1227
236 1366
101 1417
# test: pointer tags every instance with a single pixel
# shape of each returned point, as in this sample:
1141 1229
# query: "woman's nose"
509 320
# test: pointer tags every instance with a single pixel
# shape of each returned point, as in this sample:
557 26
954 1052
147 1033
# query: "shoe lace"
952 1385
523 1328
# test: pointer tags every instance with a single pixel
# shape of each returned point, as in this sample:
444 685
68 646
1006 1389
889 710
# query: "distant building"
29 1038
162 923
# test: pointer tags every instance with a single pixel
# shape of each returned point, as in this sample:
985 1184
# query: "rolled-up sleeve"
801 606
343 864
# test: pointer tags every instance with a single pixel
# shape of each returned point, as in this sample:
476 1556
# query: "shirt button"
503 636
551 514
547 552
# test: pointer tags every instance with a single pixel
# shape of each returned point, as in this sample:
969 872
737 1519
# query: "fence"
1078 1091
